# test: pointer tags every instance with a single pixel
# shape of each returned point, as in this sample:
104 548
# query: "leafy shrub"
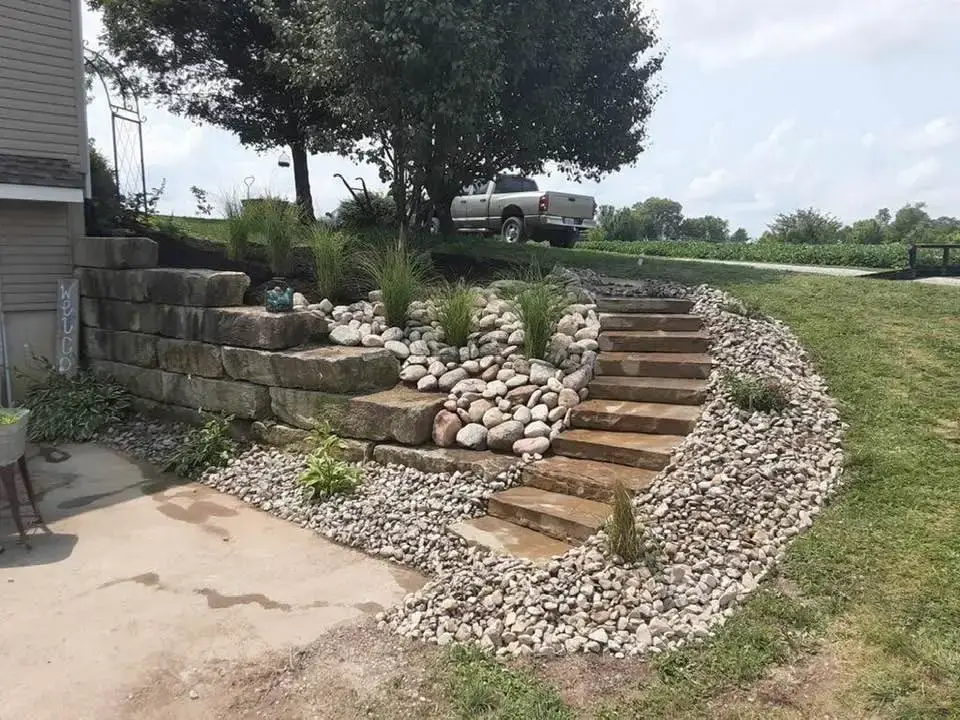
327 474
332 258
73 409
625 540
379 213
9 417
240 223
750 392
456 306
539 303
399 274
890 255
280 224
206 447
746 308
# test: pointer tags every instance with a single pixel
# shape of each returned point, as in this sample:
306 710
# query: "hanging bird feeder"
284 161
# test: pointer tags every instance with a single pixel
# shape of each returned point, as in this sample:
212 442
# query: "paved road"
141 583
814 270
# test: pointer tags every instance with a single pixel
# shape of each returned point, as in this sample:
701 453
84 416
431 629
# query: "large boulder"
341 370
111 284
115 252
196 288
503 436
125 347
446 425
189 357
401 414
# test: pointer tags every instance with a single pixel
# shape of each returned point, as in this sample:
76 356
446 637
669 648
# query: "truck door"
477 206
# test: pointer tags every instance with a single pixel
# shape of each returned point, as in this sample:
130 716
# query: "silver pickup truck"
517 210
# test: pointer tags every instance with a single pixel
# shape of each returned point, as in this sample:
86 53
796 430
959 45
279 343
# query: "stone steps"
655 364
641 450
677 391
671 322
665 341
635 417
585 478
643 305
562 517
506 538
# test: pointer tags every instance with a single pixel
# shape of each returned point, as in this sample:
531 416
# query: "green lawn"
877 579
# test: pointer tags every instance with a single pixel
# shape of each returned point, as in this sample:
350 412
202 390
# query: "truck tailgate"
570 205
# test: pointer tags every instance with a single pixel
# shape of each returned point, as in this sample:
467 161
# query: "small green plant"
400 274
750 392
332 259
9 417
746 308
205 447
280 224
327 474
241 223
77 408
539 303
625 540
363 214
456 305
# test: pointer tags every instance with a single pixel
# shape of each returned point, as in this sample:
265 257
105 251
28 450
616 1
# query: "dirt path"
144 591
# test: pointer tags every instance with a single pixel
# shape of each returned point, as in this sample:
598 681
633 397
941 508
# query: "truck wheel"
513 230
563 240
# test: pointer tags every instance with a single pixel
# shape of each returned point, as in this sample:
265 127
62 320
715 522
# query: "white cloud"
919 175
708 186
868 140
721 33
937 133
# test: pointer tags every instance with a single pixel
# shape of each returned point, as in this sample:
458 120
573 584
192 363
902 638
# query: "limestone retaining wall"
183 338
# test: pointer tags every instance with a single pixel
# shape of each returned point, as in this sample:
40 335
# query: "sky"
767 106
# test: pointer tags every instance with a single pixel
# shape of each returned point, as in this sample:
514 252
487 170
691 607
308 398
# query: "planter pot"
13 438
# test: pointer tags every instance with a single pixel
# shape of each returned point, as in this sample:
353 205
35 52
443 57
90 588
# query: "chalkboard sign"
68 326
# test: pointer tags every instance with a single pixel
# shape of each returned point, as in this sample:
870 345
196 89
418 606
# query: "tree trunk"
301 180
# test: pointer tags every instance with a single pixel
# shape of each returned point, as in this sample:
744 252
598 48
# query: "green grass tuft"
456 307
755 393
333 259
400 274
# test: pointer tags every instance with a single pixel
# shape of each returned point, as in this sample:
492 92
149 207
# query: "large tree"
659 218
215 61
804 227
445 92
708 228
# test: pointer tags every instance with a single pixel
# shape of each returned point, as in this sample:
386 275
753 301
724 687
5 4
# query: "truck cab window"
515 185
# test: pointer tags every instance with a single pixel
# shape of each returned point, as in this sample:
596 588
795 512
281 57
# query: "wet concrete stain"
82 501
52 455
370 608
197 512
217 601
407 579
149 579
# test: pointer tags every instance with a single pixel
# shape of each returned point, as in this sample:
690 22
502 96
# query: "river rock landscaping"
715 520
497 397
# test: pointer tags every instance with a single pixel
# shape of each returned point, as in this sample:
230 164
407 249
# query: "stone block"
401 414
334 369
243 400
444 460
254 327
111 284
142 382
196 288
125 347
189 357
296 439
119 315
240 430
115 252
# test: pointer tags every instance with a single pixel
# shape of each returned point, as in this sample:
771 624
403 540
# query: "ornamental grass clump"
753 393
280 224
332 261
539 302
241 224
400 274
456 306
624 537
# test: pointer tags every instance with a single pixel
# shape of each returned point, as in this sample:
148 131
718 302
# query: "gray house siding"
41 80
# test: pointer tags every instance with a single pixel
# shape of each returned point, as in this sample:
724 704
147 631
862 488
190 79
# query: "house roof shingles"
49 172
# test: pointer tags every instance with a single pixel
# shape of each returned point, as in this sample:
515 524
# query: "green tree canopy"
804 227
740 235
659 218
445 92
708 228
213 61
